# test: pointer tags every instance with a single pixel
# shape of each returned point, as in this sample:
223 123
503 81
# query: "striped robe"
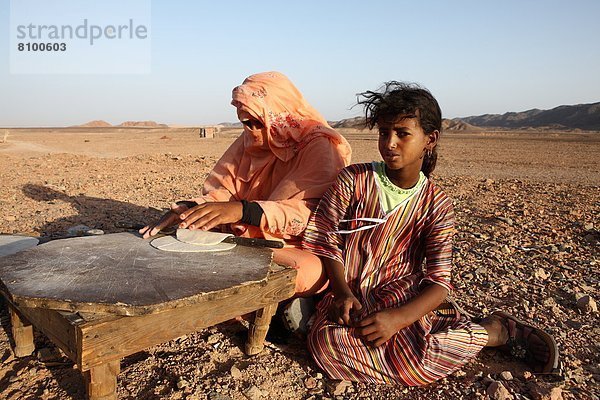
384 268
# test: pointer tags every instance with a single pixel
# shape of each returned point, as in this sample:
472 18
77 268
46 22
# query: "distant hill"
356 123
580 116
142 124
96 124
458 125
447 124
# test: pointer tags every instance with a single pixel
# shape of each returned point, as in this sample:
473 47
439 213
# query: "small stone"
253 393
540 273
93 232
212 339
337 387
543 391
182 383
487 380
310 382
497 391
589 226
460 373
527 375
587 304
78 230
235 372
319 375
506 220
46 354
506 376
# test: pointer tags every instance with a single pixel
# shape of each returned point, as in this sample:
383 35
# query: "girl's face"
403 143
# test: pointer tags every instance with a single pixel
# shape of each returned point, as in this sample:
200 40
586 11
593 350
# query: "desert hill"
447 124
96 124
580 116
142 124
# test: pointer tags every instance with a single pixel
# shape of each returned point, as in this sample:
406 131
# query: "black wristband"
187 203
251 213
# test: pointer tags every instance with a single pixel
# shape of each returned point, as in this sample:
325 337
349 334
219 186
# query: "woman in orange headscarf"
272 177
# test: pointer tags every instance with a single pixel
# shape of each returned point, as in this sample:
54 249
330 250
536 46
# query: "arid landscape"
528 214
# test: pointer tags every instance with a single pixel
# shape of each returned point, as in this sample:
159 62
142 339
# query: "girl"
385 318
271 178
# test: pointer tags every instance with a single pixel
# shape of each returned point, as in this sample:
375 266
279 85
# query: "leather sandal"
530 344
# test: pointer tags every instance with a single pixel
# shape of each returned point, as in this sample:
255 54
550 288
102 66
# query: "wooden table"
103 298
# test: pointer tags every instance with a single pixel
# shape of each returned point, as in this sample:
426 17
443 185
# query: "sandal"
530 344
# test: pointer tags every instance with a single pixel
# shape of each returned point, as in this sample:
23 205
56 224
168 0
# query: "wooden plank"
57 327
122 273
22 333
103 341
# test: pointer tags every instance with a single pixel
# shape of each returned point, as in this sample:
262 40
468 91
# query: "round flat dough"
169 243
11 244
199 237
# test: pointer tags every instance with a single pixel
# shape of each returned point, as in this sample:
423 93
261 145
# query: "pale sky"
475 56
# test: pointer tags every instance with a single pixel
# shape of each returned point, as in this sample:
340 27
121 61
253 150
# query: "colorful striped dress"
384 267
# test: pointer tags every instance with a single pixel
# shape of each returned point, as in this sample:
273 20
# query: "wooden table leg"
22 333
101 381
258 329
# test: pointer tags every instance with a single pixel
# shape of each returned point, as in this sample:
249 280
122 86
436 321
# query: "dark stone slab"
122 273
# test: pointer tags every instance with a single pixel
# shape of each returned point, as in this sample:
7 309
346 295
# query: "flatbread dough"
11 244
169 243
199 237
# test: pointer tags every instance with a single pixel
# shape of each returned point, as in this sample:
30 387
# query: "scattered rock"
545 391
540 273
46 354
235 372
92 232
337 387
182 383
527 375
497 391
310 383
78 230
506 220
587 304
253 393
506 376
214 338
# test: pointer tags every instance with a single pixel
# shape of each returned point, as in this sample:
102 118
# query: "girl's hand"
379 327
206 216
342 307
169 219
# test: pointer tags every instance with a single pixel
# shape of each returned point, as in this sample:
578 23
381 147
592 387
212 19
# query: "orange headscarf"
291 171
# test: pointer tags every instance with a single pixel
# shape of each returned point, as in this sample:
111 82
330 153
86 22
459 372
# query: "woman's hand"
206 216
342 308
379 327
169 219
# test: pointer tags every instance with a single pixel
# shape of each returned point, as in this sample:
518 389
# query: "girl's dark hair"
394 99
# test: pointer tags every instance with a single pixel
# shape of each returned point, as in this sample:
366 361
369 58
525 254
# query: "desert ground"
528 220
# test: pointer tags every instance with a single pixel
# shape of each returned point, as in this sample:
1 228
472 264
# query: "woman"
272 177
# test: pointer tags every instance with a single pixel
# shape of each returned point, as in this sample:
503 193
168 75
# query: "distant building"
208 131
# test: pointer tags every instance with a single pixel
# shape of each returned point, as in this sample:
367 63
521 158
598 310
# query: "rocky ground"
528 214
